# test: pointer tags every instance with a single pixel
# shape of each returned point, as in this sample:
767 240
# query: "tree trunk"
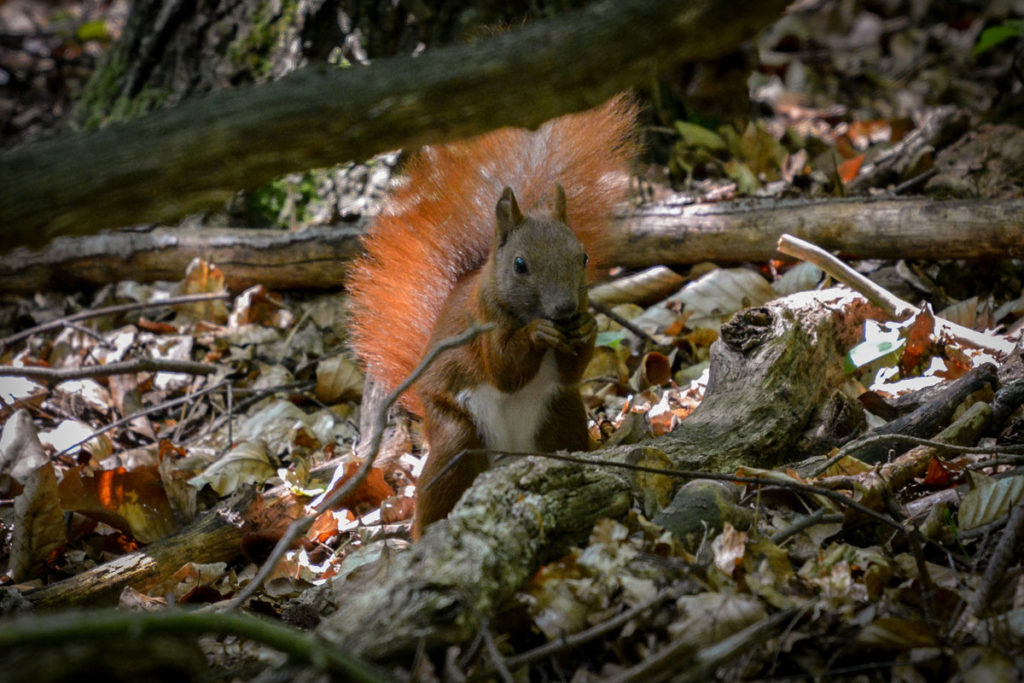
170 51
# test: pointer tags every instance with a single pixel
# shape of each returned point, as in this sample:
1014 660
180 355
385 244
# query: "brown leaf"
38 525
259 306
338 379
247 463
989 499
157 327
202 277
728 549
133 501
397 509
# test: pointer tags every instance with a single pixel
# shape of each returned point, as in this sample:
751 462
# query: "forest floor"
131 409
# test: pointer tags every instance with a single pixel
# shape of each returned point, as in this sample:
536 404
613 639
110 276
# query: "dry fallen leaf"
338 379
989 499
38 525
247 463
373 491
728 548
133 501
849 169
21 453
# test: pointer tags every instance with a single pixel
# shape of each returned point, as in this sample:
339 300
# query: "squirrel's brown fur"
439 224
434 264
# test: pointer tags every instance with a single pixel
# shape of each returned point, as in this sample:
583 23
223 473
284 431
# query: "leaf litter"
279 409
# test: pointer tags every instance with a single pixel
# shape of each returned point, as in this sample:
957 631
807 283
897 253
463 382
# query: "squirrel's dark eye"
586 259
520 266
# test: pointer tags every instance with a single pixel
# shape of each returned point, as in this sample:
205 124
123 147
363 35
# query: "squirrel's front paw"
581 330
546 334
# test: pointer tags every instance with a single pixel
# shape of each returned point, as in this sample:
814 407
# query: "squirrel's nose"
564 310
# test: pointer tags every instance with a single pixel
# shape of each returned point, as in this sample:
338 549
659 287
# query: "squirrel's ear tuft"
508 213
559 212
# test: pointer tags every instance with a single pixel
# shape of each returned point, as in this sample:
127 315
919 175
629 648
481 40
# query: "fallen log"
769 372
198 154
675 231
679 231
214 537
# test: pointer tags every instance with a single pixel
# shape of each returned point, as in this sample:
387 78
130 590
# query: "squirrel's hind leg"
448 431
565 427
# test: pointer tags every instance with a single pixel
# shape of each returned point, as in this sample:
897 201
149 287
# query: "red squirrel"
454 248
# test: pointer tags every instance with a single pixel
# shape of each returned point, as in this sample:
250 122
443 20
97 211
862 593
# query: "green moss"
127 108
103 88
287 201
103 101
252 51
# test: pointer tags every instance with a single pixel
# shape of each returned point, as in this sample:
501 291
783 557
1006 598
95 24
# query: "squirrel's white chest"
510 421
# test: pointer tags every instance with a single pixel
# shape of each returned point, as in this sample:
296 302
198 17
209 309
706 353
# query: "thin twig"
714 476
1007 459
301 525
109 310
256 395
575 640
710 658
892 305
699 663
983 530
231 418
626 324
92 334
913 183
146 411
53 375
497 661
805 522
925 583
857 444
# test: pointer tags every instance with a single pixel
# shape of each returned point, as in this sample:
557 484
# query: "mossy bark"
170 51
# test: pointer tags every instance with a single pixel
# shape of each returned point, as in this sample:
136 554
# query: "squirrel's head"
540 268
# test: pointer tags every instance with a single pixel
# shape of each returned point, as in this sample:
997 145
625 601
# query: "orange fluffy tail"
439 224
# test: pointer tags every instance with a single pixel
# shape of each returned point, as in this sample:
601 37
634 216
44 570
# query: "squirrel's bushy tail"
439 224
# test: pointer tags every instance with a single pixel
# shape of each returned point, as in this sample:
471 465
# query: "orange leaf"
919 342
849 169
864 133
373 491
156 327
942 473
133 501
257 305
325 527
396 508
